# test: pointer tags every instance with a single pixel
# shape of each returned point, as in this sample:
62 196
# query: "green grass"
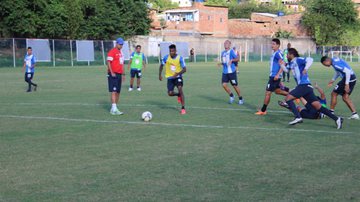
61 144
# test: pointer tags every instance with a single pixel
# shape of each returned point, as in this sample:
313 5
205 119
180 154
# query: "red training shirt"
116 59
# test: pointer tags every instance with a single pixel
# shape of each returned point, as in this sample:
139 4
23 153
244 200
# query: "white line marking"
171 124
143 105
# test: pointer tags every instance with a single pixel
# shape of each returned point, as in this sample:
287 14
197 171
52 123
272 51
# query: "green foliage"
245 9
69 19
328 21
217 3
283 34
163 4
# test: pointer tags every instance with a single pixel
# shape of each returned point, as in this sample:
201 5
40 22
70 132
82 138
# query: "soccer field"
61 144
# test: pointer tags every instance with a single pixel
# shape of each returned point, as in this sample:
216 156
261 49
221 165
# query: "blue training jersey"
274 62
297 65
340 67
226 56
30 61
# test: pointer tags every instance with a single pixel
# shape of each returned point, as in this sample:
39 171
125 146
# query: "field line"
144 105
171 124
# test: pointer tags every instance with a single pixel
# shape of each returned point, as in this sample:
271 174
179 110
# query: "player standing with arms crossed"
137 63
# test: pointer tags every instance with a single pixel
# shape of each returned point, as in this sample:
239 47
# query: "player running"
345 86
175 67
228 60
300 67
274 80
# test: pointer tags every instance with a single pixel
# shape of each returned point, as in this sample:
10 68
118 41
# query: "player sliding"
228 60
274 79
309 112
345 86
174 69
300 67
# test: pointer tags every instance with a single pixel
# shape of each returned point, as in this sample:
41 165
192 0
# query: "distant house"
195 20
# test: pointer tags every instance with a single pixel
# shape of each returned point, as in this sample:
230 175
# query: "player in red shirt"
115 64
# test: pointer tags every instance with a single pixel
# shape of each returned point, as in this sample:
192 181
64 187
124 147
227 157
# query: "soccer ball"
146 116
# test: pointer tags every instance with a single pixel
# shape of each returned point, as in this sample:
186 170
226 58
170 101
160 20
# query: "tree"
73 19
163 4
245 9
327 21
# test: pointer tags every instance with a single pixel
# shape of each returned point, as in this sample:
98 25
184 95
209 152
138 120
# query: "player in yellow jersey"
175 67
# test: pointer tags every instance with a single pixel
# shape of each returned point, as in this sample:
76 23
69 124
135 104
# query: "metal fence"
63 52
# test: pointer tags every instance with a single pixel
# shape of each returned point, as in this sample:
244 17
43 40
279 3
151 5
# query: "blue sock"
293 108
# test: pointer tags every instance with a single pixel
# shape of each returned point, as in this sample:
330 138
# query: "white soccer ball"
146 116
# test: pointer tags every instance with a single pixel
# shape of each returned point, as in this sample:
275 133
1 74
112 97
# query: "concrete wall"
213 45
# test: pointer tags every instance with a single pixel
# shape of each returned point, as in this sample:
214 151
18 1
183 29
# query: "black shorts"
306 91
340 87
171 83
309 112
135 72
114 83
29 76
272 85
232 78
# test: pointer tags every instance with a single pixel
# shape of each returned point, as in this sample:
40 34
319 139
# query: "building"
266 25
200 19
357 3
196 20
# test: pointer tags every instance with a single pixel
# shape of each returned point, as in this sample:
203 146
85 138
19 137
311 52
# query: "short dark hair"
293 51
138 46
172 46
277 41
324 58
29 48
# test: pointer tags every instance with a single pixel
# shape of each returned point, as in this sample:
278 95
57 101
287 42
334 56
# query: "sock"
354 113
240 98
328 113
29 88
113 106
131 86
263 109
231 95
293 108
177 94
183 107
138 87
332 111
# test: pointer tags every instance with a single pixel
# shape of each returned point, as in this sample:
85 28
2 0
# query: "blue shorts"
135 72
29 76
232 78
309 112
272 85
114 83
172 82
306 91
340 87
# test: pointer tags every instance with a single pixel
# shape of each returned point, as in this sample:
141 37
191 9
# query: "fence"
63 52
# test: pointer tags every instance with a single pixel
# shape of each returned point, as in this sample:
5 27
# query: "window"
220 19
276 22
209 17
288 21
